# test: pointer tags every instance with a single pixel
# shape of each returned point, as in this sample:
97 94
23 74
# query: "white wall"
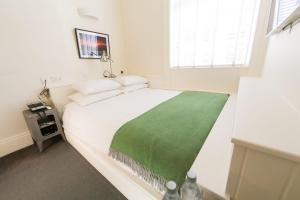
37 40
282 67
146 37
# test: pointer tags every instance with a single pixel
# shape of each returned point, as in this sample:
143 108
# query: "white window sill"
211 67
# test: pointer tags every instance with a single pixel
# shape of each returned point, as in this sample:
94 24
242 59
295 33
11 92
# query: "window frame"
274 26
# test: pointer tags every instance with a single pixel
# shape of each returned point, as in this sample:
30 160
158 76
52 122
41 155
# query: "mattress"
97 123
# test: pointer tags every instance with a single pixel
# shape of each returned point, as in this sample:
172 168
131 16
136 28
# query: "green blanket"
162 144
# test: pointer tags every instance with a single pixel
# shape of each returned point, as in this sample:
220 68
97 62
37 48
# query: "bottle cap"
171 186
192 176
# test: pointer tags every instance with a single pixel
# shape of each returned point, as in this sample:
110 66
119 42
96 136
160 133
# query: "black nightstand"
43 125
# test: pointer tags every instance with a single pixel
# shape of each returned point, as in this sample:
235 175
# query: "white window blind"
285 8
211 32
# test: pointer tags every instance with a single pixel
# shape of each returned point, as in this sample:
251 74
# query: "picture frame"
92 45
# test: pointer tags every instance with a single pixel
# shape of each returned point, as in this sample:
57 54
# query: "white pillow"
85 100
95 86
134 88
131 80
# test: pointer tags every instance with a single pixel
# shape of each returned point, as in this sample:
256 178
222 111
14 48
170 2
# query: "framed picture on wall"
92 45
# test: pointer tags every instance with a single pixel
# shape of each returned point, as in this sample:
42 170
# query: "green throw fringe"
144 173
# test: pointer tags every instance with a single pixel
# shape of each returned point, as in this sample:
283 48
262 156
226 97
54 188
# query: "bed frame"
133 187
129 185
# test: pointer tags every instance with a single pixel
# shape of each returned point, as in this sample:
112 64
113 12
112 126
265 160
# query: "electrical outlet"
84 76
43 79
51 80
55 79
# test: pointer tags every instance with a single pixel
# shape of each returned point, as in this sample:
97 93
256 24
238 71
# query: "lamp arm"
110 74
110 61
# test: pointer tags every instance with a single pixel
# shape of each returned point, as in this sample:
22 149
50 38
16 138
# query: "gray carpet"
59 173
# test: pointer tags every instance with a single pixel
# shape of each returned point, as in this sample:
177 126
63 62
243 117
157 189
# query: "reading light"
105 58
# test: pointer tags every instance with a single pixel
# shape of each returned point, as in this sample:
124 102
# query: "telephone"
36 107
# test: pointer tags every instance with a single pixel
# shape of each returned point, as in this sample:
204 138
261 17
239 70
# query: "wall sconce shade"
84 12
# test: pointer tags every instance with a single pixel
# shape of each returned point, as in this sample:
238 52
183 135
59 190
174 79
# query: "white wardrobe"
266 156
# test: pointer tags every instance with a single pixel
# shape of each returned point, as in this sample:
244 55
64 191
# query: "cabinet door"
260 176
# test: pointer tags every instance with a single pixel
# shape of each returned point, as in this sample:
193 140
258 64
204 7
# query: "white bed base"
216 151
129 185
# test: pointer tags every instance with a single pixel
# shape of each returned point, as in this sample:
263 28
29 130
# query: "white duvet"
97 123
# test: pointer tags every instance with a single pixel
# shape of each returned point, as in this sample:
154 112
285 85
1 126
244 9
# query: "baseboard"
15 143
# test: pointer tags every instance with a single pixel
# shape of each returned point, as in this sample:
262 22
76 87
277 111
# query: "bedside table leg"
40 146
64 137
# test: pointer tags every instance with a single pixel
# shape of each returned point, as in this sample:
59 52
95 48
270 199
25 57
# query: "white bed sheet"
97 123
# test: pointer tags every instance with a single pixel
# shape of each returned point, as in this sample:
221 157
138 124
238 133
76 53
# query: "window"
211 32
284 9
280 12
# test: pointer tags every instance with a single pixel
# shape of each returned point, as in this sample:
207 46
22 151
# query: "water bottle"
190 190
172 193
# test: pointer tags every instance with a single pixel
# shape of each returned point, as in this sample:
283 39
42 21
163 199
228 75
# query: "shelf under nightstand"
43 125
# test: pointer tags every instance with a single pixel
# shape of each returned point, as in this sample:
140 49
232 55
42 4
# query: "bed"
90 130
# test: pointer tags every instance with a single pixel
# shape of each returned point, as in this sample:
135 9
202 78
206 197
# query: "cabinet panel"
293 187
263 177
235 169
